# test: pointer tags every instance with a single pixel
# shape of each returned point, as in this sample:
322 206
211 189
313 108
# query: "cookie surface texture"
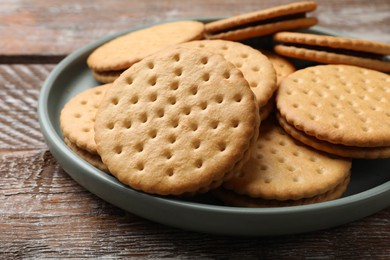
267 109
255 66
123 51
262 22
173 123
339 104
284 169
77 118
93 159
106 76
282 66
233 199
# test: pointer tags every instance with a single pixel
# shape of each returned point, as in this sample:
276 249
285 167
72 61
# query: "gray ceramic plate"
368 192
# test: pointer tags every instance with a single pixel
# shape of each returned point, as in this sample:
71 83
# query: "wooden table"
45 214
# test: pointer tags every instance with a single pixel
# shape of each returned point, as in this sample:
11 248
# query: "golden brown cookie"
334 50
282 66
262 22
91 158
233 199
121 52
338 104
106 76
77 118
255 67
172 123
267 109
336 149
281 168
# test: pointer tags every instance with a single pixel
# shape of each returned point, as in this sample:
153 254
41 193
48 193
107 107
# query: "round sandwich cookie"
234 199
334 50
93 159
262 22
115 56
282 168
336 149
338 104
106 76
255 66
173 123
77 118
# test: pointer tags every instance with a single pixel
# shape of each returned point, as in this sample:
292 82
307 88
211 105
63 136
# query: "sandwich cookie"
112 58
93 159
345 108
255 67
77 118
262 22
77 121
173 124
285 172
334 50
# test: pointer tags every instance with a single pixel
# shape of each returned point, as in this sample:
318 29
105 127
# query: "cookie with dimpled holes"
255 66
282 66
77 118
282 168
339 104
121 52
173 123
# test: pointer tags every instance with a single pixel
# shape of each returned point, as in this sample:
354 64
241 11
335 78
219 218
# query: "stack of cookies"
189 109
77 122
172 124
263 22
284 172
339 109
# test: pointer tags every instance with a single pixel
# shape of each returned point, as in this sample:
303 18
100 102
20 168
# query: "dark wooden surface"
45 214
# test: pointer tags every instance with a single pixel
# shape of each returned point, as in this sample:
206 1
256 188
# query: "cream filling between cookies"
360 54
263 22
109 73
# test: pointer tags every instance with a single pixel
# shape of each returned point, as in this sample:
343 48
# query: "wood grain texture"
45 214
20 85
56 28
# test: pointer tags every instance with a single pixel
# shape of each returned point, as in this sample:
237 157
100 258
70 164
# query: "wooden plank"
20 85
44 214
56 28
